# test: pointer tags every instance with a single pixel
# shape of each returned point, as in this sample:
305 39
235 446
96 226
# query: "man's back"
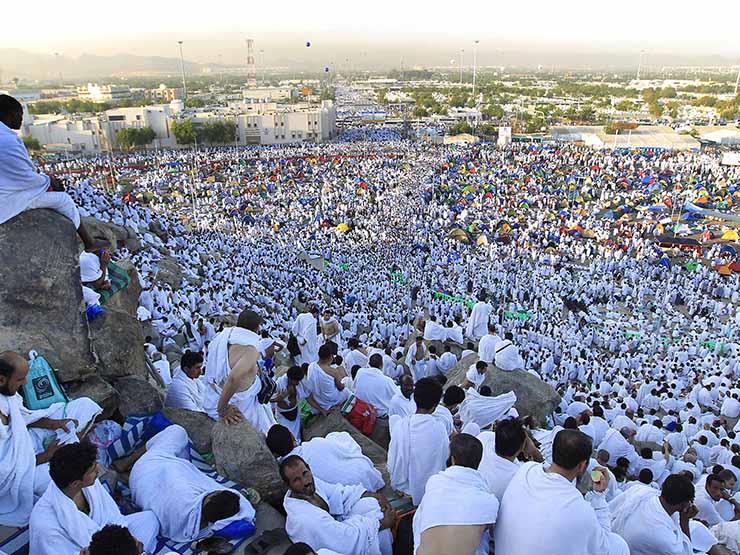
542 512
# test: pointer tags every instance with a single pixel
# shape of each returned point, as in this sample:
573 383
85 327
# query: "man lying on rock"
188 504
28 439
21 186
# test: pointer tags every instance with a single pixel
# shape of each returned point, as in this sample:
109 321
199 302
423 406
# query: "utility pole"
461 64
182 71
475 65
737 81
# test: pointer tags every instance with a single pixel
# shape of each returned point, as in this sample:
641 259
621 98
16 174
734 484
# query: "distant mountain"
28 65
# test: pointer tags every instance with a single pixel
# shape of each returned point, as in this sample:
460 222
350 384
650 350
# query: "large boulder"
117 337
126 300
533 396
137 396
241 454
41 305
198 425
169 272
117 236
118 343
99 391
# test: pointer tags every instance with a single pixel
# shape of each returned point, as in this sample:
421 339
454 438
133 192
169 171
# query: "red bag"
361 415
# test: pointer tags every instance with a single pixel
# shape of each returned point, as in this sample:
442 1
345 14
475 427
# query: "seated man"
421 432
507 357
76 505
500 464
374 387
291 390
24 469
21 186
187 389
476 375
94 269
403 403
446 411
232 375
457 507
344 519
188 504
325 382
336 458
658 523
543 512
708 500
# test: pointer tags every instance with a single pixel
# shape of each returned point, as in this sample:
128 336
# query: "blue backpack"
42 388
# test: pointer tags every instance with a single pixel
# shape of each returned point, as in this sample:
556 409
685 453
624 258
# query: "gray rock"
132 242
126 300
198 425
99 391
137 396
533 396
267 518
41 304
169 272
241 455
118 342
113 234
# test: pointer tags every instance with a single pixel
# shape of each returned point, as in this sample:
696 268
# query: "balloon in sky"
308 44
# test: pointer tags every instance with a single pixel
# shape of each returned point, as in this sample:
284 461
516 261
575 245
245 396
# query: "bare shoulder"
242 356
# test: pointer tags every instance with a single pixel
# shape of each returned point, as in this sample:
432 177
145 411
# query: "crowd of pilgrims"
375 267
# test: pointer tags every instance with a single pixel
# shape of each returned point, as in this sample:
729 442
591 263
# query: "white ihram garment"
411 436
165 482
218 369
457 496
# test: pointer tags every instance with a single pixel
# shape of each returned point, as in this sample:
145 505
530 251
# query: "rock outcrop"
137 396
117 337
198 425
169 272
533 396
117 236
41 304
241 454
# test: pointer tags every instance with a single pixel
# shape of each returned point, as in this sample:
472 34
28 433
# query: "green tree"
587 114
486 129
626 106
492 111
31 143
382 100
132 137
420 112
655 109
461 127
184 132
195 103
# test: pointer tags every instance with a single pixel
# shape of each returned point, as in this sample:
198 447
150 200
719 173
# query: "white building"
68 133
270 123
271 94
158 117
256 123
103 93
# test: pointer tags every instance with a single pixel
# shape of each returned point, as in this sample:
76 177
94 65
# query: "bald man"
28 439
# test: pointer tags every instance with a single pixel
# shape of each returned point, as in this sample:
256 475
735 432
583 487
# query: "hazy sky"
336 28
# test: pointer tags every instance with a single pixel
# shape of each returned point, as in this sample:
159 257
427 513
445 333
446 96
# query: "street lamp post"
737 81
475 64
461 64
182 71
